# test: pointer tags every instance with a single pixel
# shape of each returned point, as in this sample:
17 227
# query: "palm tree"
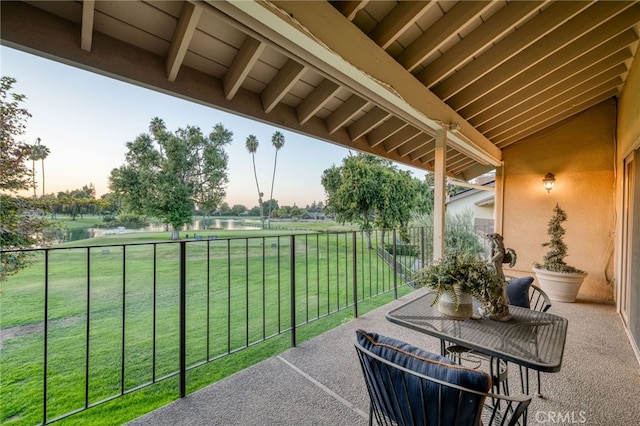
252 147
44 153
38 152
277 140
157 128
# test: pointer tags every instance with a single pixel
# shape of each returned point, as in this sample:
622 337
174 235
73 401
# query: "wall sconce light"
549 181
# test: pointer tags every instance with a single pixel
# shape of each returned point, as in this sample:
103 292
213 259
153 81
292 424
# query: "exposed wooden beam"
57 39
423 150
495 27
455 20
600 73
366 123
559 113
88 11
316 100
401 137
417 142
288 75
551 71
349 8
405 14
385 131
245 59
345 112
572 34
530 32
361 66
577 95
181 38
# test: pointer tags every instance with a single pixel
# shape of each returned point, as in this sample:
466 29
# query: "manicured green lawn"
111 308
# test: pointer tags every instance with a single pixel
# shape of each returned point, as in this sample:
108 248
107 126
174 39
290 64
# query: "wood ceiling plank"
557 114
581 32
345 112
457 18
405 14
361 66
387 129
589 77
530 32
400 138
242 64
88 10
316 100
496 26
418 141
288 75
551 71
187 25
367 123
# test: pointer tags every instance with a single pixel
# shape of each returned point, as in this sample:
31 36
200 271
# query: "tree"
238 209
252 146
369 191
78 201
165 174
38 152
20 224
210 170
277 140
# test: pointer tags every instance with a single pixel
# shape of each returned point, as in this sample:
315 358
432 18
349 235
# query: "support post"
439 194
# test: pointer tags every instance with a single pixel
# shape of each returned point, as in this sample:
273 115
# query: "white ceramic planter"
446 306
560 286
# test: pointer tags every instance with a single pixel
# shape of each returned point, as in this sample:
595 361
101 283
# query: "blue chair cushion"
518 291
437 367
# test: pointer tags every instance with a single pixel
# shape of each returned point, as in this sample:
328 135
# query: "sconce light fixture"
549 181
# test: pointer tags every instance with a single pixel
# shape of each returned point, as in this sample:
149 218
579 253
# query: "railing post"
395 267
292 251
355 275
422 264
183 319
46 336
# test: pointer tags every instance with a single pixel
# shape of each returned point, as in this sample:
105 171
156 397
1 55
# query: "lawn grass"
106 311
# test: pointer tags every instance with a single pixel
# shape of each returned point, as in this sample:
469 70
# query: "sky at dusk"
86 119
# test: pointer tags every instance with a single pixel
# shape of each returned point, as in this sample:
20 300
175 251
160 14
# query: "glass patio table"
530 339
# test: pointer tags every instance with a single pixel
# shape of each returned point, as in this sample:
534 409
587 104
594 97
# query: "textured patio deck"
319 382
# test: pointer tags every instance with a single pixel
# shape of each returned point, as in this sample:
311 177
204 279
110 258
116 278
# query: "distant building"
480 202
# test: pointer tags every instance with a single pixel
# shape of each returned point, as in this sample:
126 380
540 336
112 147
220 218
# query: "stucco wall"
580 152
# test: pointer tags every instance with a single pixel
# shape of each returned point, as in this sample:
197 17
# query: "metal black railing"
90 324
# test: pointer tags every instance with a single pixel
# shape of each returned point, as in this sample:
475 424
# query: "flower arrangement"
463 273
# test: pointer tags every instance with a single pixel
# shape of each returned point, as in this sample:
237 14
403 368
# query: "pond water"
211 223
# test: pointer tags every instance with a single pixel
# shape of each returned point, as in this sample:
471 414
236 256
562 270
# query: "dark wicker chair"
401 396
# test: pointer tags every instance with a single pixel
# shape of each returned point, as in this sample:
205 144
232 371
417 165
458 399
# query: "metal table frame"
530 339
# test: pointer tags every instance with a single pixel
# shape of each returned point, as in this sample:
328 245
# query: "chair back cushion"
401 396
518 291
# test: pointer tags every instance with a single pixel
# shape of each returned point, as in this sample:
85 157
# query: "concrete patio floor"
320 382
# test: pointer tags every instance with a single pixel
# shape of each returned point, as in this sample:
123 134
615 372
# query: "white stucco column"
439 193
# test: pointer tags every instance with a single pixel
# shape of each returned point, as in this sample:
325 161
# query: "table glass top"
530 338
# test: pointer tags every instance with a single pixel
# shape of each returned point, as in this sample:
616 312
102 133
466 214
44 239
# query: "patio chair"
538 301
411 386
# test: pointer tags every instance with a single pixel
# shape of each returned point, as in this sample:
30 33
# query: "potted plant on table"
560 281
456 278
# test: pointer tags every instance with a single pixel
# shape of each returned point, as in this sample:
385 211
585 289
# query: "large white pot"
560 286
446 306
